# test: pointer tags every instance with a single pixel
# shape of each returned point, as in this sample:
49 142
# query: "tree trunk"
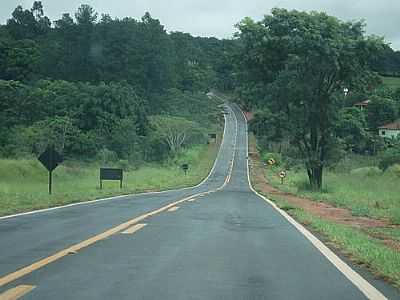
315 177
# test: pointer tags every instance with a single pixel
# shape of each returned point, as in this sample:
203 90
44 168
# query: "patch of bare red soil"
249 115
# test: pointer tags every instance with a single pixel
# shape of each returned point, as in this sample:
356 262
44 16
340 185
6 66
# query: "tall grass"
23 183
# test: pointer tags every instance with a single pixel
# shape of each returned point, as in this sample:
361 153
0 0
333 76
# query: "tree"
380 111
18 59
28 24
57 131
175 131
303 61
351 127
86 18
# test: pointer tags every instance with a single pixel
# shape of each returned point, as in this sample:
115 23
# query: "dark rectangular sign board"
111 174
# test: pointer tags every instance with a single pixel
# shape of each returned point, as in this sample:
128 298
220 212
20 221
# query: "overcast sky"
217 17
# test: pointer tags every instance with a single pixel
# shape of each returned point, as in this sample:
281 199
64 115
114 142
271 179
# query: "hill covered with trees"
90 83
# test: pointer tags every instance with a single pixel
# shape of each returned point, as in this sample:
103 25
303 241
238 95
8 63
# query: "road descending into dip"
218 240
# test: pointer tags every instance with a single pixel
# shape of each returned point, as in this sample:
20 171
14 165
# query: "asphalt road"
220 241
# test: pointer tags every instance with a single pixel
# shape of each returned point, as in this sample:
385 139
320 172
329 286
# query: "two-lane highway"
219 240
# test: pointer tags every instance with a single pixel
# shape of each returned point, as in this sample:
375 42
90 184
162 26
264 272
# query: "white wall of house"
389 133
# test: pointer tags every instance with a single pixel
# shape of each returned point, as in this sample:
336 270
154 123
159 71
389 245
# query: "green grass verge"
23 183
352 185
365 191
392 82
359 246
389 233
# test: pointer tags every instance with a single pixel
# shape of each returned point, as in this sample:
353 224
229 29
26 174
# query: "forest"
96 86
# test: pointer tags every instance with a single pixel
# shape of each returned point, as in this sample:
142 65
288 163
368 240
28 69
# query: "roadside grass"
367 247
357 245
365 191
23 183
392 82
390 233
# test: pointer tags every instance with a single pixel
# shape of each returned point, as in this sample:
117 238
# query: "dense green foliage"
94 86
388 62
295 65
89 48
294 68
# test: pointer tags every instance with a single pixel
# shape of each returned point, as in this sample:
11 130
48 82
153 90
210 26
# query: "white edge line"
89 202
363 285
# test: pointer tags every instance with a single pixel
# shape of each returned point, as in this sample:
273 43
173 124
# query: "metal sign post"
50 181
50 159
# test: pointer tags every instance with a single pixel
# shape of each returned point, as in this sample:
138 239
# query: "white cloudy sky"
217 17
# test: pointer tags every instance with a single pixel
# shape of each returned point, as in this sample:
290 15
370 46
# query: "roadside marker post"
50 159
282 175
111 174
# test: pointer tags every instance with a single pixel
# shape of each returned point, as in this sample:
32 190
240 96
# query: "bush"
394 169
275 156
389 158
366 171
123 164
107 156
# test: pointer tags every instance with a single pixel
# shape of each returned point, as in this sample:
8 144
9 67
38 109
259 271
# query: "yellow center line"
17 292
79 246
134 228
75 248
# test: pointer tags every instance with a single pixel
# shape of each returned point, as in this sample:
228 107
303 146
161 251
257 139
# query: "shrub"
107 156
123 164
271 155
366 171
394 169
389 158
